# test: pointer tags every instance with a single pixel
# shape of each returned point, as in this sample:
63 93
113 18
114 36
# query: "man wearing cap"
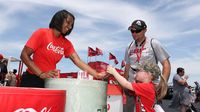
140 50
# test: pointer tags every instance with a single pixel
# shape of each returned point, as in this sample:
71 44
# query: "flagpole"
108 59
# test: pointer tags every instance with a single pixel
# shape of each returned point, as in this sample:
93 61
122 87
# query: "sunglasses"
136 31
137 81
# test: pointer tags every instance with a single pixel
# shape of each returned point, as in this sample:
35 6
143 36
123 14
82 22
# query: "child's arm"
123 82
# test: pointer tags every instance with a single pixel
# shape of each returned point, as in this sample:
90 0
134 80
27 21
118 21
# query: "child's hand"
110 69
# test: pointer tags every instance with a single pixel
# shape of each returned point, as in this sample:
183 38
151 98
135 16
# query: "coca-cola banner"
14 99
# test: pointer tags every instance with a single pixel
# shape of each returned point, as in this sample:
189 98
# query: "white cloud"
7 19
11 47
188 10
190 64
4 22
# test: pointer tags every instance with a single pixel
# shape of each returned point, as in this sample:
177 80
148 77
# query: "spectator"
3 69
11 78
188 99
197 91
179 86
143 49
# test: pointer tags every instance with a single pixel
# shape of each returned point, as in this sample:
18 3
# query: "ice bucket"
82 95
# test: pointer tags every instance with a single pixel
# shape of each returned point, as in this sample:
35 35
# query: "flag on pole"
91 52
99 51
123 63
111 56
116 62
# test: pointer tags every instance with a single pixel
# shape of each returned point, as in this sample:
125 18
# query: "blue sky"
104 23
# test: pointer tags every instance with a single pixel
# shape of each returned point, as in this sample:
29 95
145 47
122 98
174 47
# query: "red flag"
91 52
111 56
123 63
99 51
116 62
1 56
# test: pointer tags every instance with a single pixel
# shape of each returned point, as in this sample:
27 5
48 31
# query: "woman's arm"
123 82
82 65
26 58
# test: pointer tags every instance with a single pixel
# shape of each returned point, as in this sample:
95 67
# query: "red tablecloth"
15 99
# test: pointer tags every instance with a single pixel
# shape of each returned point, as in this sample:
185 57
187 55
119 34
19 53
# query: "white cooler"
82 95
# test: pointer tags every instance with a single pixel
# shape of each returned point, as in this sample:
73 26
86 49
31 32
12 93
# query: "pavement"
165 105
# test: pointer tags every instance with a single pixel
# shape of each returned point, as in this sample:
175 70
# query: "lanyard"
138 52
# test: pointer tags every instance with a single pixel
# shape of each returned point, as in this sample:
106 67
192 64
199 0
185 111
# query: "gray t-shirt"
146 55
176 86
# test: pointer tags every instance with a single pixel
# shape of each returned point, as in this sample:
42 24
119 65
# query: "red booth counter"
114 90
16 99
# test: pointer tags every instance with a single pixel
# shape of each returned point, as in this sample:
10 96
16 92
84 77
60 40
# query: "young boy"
143 87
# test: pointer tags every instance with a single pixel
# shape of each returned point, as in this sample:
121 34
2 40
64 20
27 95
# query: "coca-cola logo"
56 49
108 107
32 110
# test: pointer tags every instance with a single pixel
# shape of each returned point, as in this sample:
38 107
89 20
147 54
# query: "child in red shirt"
143 87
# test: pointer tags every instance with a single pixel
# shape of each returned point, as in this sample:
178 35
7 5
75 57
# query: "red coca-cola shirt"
48 49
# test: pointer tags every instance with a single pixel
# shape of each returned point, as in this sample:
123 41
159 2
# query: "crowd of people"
7 78
47 46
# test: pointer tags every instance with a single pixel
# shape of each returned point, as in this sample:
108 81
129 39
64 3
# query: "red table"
16 99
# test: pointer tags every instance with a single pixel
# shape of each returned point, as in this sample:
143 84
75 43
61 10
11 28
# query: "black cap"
137 25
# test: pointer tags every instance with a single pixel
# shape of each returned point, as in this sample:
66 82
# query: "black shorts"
31 80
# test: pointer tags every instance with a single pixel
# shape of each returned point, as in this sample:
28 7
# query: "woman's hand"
49 74
101 75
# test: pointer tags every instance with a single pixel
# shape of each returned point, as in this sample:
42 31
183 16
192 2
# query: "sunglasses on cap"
135 31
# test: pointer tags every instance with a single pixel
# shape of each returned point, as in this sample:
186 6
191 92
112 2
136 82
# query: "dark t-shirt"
3 72
3 68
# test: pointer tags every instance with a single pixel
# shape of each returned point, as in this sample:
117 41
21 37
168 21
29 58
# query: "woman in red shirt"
46 47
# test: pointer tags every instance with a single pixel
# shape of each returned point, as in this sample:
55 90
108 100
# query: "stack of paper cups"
84 75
